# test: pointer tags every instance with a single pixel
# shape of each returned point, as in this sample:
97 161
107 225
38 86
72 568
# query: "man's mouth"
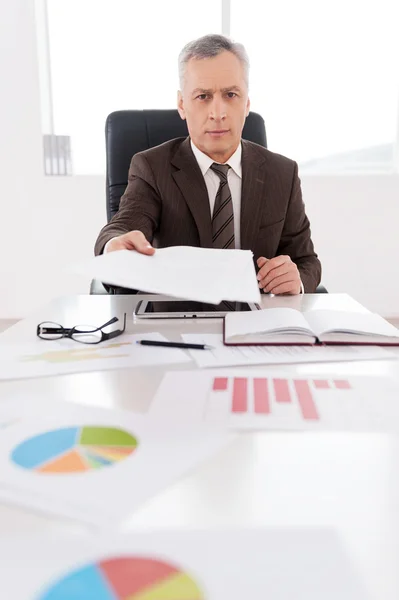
218 132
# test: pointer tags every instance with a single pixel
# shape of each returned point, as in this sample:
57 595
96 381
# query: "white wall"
47 223
355 223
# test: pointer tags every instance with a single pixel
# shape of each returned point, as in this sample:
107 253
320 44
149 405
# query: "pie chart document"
97 465
74 449
261 564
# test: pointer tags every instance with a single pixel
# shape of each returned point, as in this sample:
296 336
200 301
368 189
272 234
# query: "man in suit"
214 189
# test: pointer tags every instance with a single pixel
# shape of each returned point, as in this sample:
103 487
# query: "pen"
174 345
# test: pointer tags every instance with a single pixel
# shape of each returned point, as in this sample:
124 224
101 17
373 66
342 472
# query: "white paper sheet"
247 399
199 274
225 356
266 564
17 408
98 482
44 358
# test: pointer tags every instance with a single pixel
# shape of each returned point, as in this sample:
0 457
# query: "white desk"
348 481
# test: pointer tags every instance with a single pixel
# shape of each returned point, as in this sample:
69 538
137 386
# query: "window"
108 55
325 77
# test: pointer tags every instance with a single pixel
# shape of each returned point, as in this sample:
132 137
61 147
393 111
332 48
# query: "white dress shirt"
212 181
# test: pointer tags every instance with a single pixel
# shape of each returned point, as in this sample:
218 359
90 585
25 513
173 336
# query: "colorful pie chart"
125 578
74 449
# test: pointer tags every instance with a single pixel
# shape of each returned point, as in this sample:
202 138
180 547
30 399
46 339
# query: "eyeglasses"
85 334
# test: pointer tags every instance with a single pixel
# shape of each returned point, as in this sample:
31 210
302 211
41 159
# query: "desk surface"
346 481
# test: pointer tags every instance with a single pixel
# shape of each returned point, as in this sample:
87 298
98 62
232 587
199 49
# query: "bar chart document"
271 400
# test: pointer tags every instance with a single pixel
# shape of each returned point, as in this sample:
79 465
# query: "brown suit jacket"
166 198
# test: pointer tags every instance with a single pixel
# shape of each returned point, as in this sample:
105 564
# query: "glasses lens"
49 330
86 334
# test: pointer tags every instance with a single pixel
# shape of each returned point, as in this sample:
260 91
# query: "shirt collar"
204 161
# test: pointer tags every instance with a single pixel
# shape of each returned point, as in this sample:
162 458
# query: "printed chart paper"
49 358
267 400
18 407
97 465
266 564
226 356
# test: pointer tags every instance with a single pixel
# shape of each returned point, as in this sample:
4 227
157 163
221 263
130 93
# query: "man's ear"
180 105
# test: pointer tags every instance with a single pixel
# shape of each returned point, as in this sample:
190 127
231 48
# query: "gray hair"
209 46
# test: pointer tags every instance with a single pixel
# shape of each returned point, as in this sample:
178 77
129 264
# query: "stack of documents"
198 274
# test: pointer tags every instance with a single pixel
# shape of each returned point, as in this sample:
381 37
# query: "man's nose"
218 109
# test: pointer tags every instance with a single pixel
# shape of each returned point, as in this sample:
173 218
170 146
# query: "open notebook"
289 326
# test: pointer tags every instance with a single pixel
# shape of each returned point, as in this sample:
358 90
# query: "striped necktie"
223 216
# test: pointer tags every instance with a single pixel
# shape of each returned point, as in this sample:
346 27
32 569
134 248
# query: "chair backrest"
130 131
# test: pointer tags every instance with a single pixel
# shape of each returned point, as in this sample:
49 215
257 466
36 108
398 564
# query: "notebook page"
267 320
323 321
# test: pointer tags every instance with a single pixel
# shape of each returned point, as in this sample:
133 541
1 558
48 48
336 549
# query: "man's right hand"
133 240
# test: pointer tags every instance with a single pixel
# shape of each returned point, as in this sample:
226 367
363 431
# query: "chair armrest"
96 287
321 289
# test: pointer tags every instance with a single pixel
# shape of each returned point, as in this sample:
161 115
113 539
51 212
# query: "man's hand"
133 240
278 275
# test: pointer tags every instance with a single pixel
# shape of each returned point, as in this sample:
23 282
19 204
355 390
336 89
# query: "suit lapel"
252 193
191 183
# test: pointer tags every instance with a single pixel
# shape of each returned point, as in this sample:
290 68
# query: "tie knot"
221 170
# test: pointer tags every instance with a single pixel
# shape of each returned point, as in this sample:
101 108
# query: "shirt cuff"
302 290
105 249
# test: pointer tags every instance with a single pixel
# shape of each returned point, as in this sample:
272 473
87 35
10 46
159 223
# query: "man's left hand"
278 275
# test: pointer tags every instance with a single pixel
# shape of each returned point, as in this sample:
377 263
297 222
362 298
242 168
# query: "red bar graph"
240 397
256 395
261 396
342 384
282 390
321 384
220 383
305 399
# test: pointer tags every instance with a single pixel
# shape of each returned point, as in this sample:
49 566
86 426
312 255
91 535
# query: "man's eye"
231 94
202 96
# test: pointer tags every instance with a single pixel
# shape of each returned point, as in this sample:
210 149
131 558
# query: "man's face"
214 101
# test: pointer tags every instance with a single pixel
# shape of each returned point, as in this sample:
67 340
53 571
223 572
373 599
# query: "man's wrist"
105 249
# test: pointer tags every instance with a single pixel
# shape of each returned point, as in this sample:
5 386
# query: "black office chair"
130 131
